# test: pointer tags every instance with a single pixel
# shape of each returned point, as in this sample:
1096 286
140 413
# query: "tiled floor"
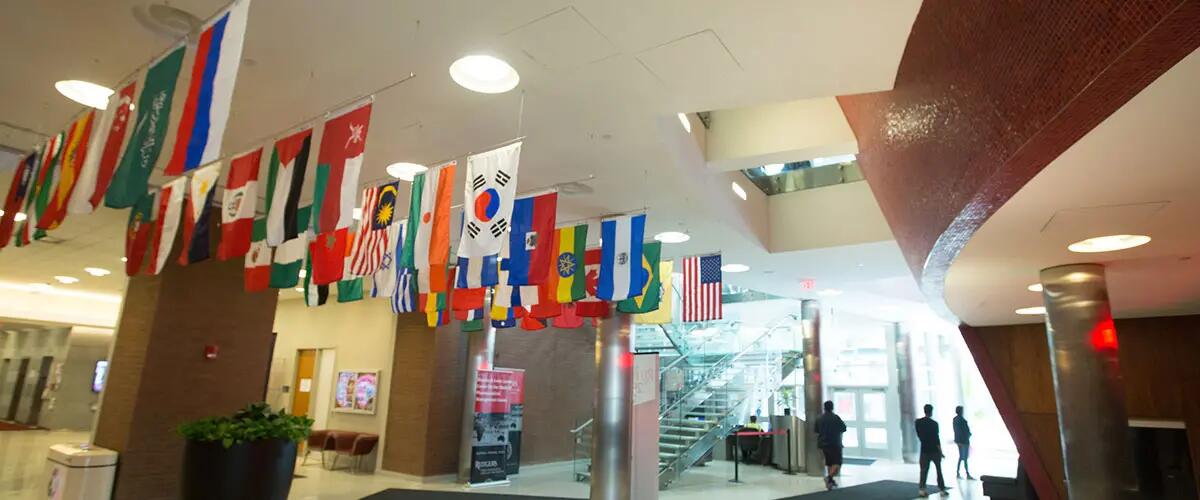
23 458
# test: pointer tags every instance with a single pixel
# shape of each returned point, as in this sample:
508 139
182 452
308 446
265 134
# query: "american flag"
702 288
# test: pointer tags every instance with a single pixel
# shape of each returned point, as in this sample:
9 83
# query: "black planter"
256 470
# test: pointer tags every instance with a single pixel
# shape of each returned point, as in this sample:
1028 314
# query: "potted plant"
250 455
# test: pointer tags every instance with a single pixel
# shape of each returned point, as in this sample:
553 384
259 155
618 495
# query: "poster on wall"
489 440
356 391
514 390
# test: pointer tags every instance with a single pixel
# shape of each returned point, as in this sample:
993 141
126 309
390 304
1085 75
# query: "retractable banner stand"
515 394
490 442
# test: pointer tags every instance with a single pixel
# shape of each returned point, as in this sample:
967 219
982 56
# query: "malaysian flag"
702 288
378 212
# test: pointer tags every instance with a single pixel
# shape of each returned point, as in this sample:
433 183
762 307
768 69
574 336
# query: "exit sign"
808 284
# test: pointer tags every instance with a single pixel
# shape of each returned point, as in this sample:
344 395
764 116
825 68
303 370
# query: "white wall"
778 133
831 216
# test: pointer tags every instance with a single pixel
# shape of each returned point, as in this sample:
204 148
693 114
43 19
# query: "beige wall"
361 333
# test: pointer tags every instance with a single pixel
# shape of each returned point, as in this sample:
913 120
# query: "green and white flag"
314 295
153 115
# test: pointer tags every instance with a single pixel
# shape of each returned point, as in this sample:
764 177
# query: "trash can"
79 471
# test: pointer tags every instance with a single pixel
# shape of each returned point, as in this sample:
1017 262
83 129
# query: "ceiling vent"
166 21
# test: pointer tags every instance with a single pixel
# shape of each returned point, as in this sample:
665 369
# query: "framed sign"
356 391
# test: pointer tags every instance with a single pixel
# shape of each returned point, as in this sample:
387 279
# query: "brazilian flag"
652 290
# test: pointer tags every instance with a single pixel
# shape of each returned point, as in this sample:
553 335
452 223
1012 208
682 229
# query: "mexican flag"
258 259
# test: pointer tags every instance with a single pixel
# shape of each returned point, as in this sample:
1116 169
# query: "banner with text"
489 441
514 389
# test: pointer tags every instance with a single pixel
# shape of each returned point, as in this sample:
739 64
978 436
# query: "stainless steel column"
814 393
481 350
1088 386
612 435
906 391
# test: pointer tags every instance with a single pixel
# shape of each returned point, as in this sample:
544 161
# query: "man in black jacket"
962 438
829 428
931 450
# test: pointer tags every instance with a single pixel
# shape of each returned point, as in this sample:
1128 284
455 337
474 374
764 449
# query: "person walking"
962 438
829 428
931 450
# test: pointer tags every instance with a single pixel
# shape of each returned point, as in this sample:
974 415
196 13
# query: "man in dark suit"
931 450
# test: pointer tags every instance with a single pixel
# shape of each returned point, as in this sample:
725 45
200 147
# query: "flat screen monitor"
99 374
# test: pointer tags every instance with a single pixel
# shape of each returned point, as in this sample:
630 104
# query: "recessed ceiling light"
672 237
298 289
829 292
405 171
97 271
687 124
484 74
1036 287
357 214
1110 243
66 280
772 169
124 259
737 189
303 273
734 268
85 93
1032 311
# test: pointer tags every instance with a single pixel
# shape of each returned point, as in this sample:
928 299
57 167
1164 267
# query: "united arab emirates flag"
289 159
153 113
338 164
258 259
289 256
652 290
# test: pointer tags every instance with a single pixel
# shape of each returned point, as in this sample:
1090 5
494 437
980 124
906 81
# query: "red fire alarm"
211 350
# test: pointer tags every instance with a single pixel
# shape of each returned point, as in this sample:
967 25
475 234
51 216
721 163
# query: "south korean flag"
487 213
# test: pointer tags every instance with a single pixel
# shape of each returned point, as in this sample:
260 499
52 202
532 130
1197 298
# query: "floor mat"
879 490
398 494
858 461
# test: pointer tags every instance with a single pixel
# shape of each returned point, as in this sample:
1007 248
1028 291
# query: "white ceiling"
598 79
1138 172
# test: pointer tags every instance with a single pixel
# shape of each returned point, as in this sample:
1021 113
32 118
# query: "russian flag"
621 273
214 72
531 241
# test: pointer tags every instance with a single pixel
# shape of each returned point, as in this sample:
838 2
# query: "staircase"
715 396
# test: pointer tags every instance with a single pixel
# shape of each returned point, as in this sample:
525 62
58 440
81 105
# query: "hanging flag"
210 91
648 299
472 319
503 317
153 113
166 223
258 258
314 294
289 159
383 280
505 295
435 319
22 176
666 301
591 306
378 212
701 288
197 215
74 147
289 255
138 231
568 319
104 149
328 252
404 296
427 238
531 241
545 310
565 278
350 288
530 323
39 197
621 275
338 165
239 203
466 299
487 208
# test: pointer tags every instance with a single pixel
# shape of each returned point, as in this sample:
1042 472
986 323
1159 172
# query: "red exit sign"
808 284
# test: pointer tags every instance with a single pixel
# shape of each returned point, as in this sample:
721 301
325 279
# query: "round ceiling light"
687 124
1032 311
737 189
66 280
772 169
672 237
1110 243
97 271
734 268
405 171
356 214
484 74
1036 287
85 93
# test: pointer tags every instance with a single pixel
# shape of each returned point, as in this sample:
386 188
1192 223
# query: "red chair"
317 441
362 446
342 444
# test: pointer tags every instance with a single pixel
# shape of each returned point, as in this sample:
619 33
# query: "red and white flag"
258 259
701 288
166 223
338 165
591 306
104 150
238 205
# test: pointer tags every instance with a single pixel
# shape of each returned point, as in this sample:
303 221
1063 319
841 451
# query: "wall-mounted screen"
99 374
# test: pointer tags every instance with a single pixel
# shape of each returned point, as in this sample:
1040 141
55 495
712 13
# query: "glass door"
864 409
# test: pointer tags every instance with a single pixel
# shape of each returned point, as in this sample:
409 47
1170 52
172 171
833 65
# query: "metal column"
481 351
1088 386
814 393
612 465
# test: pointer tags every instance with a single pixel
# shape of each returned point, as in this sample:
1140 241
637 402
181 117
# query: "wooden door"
302 384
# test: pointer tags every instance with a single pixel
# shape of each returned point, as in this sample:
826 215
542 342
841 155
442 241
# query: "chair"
362 445
318 441
340 441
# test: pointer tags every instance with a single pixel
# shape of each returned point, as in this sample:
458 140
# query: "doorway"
39 388
18 388
306 368
865 411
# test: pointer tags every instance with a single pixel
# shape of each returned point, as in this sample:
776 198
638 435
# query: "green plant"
252 423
